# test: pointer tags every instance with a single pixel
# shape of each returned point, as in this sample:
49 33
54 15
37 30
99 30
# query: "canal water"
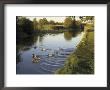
53 50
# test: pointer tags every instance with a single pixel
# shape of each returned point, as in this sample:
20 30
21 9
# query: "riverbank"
82 60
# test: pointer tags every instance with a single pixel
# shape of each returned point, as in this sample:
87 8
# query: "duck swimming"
60 49
43 49
35 58
50 55
35 47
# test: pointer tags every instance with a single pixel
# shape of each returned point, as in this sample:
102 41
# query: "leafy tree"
35 23
51 22
57 23
68 22
43 21
84 18
24 25
40 22
73 18
89 17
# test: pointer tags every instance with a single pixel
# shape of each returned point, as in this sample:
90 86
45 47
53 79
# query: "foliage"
51 22
27 27
23 26
68 22
35 24
71 23
43 21
85 18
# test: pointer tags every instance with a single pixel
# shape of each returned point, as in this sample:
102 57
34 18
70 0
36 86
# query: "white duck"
43 49
50 55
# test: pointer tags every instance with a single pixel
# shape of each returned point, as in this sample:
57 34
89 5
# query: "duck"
50 55
35 58
48 49
43 49
61 49
35 47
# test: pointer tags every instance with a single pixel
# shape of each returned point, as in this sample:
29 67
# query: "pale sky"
54 18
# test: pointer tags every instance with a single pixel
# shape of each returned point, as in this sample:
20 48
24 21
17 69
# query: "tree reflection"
27 43
24 44
68 35
41 37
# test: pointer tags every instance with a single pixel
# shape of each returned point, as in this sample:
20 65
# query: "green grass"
82 60
48 27
45 27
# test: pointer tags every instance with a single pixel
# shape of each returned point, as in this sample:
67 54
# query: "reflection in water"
25 44
41 38
18 58
70 34
45 52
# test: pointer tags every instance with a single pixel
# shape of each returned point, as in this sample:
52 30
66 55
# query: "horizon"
49 18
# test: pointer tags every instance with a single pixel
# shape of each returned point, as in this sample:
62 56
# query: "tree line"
24 26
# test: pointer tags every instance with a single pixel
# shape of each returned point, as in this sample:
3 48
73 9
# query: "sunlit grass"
45 27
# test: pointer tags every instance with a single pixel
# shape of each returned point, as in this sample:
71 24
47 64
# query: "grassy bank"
50 27
82 60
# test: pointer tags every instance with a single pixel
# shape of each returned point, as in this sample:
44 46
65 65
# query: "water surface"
60 45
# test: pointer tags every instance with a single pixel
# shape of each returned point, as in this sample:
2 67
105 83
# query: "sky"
55 18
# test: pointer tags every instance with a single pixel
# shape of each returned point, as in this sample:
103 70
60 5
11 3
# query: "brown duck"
35 58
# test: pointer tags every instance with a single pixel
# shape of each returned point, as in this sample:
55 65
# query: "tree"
24 25
73 18
68 22
85 18
89 17
43 21
51 22
35 23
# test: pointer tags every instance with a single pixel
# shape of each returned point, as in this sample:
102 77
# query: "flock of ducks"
36 58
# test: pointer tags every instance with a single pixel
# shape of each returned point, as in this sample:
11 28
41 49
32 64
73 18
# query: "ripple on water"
47 65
